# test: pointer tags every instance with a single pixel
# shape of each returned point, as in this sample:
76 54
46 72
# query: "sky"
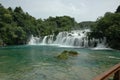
81 10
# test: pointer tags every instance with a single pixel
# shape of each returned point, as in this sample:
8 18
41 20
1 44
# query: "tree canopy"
118 9
16 26
108 26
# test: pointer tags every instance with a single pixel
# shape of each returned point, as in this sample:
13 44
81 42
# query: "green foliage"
118 9
109 27
16 26
86 24
18 10
56 24
1 42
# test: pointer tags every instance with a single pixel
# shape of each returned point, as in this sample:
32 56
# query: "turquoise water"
40 63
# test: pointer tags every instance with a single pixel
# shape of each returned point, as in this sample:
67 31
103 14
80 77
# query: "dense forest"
16 26
108 26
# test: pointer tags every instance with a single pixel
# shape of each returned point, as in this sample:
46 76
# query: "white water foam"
75 38
113 57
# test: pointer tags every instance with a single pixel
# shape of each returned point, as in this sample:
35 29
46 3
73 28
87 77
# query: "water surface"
40 63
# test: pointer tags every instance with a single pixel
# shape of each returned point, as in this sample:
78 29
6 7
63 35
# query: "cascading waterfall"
101 44
34 40
75 38
44 40
47 40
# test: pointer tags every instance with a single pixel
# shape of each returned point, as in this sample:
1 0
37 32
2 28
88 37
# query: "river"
39 62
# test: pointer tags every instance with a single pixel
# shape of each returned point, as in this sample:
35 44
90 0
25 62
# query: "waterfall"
44 41
101 44
47 40
75 38
34 40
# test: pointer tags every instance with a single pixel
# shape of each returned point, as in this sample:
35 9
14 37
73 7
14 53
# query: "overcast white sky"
81 10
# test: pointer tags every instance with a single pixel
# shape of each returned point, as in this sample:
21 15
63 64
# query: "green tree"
118 9
109 27
16 26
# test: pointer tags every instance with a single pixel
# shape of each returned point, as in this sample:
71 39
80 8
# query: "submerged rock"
66 54
63 55
73 53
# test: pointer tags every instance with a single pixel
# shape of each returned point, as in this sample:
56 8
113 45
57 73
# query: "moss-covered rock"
73 53
66 54
63 55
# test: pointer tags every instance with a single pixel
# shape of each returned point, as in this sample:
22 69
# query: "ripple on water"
39 63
